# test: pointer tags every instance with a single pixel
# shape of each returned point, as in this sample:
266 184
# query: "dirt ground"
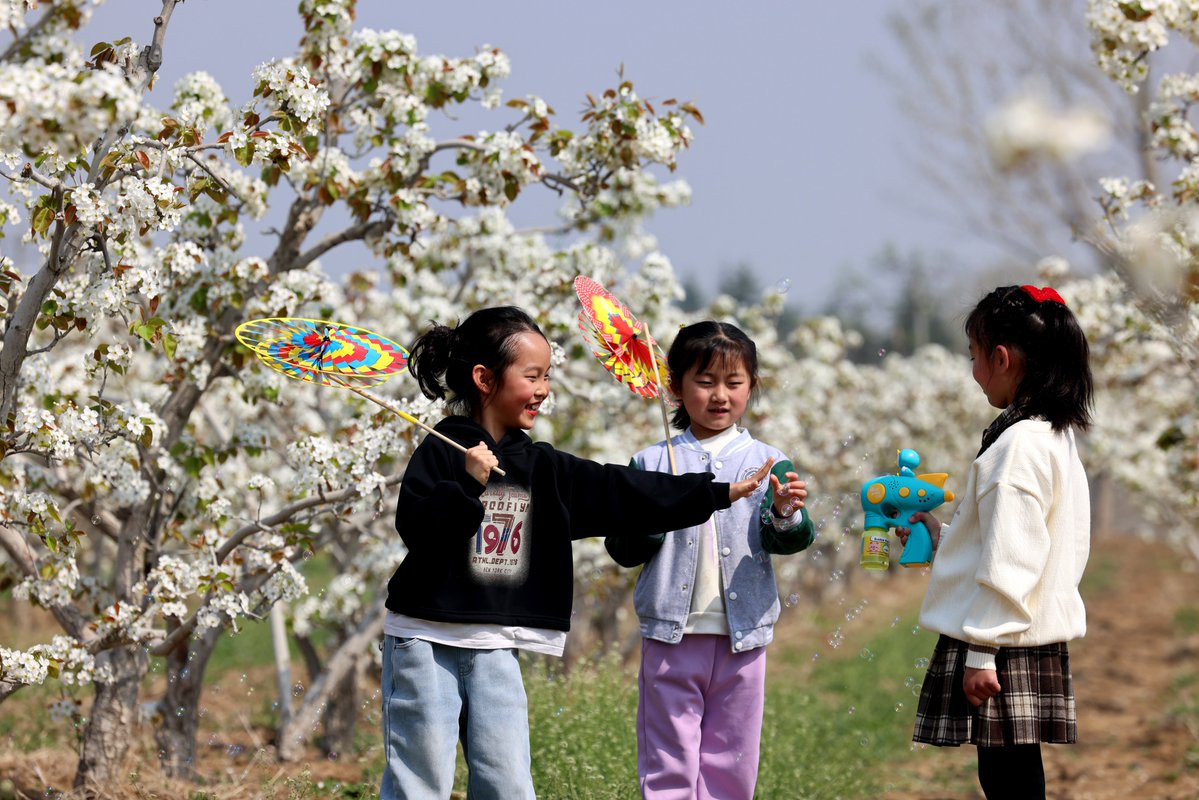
1133 745
1131 678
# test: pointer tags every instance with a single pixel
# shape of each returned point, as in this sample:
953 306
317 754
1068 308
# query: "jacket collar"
687 440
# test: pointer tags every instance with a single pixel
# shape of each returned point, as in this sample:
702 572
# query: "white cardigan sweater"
1007 569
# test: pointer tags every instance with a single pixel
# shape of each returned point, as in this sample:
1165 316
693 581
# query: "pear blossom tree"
160 486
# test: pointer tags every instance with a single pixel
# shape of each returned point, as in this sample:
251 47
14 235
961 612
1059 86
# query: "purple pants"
699 719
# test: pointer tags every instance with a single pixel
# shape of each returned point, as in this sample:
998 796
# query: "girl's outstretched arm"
743 489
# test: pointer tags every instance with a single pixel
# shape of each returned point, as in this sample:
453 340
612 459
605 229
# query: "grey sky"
797 172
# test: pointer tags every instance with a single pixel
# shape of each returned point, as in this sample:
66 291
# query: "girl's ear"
1008 359
484 379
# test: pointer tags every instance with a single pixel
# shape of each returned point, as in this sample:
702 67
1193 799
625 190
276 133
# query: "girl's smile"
516 401
715 398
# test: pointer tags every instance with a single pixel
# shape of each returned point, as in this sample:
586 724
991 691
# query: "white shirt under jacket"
1007 569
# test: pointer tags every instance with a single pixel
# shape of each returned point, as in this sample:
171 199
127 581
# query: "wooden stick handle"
653 362
409 418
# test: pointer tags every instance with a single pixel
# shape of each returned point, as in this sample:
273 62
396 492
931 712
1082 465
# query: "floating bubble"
95 520
922 663
882 351
864 741
894 622
836 638
559 712
852 710
837 574
815 656
792 599
898 707
783 286
909 681
867 655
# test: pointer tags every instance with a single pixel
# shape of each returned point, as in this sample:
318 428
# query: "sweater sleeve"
602 498
439 500
630 550
782 539
1015 551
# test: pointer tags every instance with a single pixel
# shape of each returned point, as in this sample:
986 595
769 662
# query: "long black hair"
443 359
703 343
1057 382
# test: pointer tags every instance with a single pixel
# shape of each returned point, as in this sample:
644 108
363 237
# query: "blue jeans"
434 696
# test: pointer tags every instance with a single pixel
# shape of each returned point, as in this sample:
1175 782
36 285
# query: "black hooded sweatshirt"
501 553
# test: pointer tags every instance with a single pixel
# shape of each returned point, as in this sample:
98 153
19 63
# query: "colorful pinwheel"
620 341
332 354
624 346
328 353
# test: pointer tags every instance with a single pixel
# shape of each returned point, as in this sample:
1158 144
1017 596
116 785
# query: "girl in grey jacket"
707 598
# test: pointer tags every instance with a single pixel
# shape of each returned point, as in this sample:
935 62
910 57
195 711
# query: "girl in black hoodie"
489 569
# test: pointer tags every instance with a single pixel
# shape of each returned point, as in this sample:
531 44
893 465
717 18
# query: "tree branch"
360 231
31 32
184 630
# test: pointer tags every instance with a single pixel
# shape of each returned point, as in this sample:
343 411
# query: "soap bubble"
783 286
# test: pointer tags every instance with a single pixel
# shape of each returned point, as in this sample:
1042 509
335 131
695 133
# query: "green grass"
1100 574
1186 619
833 729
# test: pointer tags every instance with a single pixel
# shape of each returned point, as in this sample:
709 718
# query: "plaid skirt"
1035 704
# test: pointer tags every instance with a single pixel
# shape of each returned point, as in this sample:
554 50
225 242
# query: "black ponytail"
443 359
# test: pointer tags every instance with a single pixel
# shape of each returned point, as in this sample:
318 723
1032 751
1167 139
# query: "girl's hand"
750 485
980 685
479 461
789 496
932 523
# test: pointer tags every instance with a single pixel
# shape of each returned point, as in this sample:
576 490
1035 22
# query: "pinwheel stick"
653 362
409 418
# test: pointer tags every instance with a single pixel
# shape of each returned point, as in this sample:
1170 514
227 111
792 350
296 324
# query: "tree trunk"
176 736
113 722
293 736
341 714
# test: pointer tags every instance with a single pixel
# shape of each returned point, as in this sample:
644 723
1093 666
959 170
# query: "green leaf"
170 344
43 218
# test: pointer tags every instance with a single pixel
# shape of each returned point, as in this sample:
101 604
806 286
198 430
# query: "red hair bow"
1044 293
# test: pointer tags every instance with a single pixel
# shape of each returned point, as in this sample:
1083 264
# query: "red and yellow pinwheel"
332 354
620 341
624 346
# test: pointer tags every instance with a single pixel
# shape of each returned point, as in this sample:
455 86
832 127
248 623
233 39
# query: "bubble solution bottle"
876 549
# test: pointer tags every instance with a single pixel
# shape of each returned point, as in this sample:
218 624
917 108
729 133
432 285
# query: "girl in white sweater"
1003 592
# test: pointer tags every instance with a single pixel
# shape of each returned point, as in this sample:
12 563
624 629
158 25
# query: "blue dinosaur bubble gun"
889 501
